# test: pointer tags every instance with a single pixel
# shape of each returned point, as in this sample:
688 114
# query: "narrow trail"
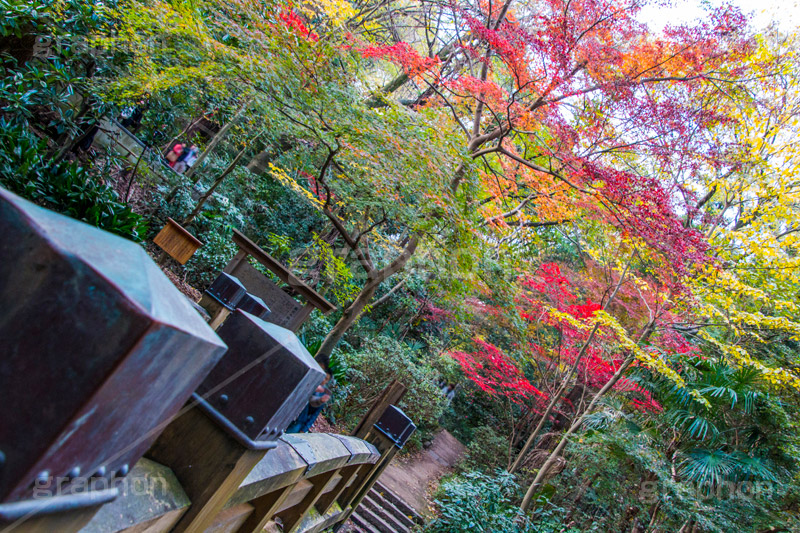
415 478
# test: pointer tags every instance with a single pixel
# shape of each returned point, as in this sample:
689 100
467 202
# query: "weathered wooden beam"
388 435
366 475
264 508
292 517
369 482
326 500
231 520
283 273
296 460
300 317
151 499
299 492
208 462
107 349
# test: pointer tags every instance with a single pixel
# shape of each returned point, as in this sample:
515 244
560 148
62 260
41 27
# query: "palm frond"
694 424
707 467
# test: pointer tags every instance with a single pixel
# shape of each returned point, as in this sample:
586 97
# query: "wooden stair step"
398 502
388 515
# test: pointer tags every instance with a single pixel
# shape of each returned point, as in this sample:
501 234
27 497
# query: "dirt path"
415 478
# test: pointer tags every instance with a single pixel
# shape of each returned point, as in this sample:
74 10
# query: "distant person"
174 154
180 166
186 159
449 391
311 411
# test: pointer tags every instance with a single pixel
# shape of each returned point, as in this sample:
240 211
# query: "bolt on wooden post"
241 410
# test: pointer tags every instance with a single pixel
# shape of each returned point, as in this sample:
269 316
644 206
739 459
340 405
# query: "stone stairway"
382 511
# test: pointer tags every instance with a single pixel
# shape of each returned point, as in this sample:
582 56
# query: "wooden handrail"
304 473
285 275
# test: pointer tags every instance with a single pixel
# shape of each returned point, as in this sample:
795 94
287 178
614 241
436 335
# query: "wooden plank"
240 256
219 318
159 524
281 467
209 464
285 275
298 492
324 522
230 520
391 395
283 499
264 508
282 306
293 516
370 481
177 242
215 310
358 490
299 318
351 490
327 499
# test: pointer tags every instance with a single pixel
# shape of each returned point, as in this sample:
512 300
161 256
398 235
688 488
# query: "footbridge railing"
299 484
123 410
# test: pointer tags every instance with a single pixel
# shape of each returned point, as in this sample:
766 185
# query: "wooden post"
351 497
240 256
391 395
349 475
264 508
208 462
300 317
366 476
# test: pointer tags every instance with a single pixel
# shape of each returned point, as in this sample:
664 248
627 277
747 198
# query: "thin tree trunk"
347 319
355 309
206 195
556 453
133 174
557 396
653 515
552 404
383 299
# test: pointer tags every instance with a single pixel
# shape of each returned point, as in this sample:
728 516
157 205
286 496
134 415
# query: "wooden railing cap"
302 455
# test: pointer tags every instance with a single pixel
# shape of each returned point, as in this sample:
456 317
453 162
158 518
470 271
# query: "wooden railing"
301 483
147 376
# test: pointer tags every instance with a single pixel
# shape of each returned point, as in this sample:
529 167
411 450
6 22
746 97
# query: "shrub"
65 187
372 367
487 451
487 502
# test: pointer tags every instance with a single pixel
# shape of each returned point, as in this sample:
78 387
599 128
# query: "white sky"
786 12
